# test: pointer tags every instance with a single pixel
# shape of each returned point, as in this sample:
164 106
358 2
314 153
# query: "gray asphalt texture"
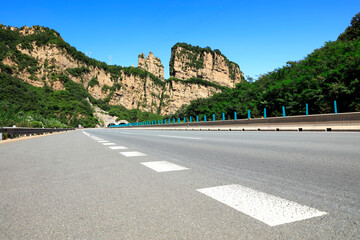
69 186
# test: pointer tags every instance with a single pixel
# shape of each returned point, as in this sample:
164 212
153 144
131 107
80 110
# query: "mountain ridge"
40 57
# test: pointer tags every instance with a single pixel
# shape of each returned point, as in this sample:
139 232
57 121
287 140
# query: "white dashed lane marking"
117 147
133 154
163 166
103 141
264 207
107 144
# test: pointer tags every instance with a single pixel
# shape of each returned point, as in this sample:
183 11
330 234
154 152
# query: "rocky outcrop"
179 93
151 64
188 62
141 88
139 93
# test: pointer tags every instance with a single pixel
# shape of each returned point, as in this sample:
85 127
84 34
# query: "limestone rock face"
138 93
132 88
195 62
151 64
179 93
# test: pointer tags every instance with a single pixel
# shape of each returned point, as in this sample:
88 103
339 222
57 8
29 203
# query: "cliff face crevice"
194 62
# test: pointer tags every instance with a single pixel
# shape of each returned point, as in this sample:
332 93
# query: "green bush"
78 72
94 81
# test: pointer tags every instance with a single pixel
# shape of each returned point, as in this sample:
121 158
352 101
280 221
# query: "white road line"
118 147
264 207
179 137
107 144
103 141
133 154
163 166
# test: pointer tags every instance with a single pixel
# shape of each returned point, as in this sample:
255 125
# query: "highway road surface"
147 184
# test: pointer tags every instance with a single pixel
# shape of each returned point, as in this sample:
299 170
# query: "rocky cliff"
42 58
151 64
178 92
211 65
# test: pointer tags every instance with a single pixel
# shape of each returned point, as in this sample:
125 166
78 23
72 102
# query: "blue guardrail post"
235 116
190 119
197 118
249 116
179 120
307 109
184 120
214 117
283 107
264 112
204 118
335 107
223 116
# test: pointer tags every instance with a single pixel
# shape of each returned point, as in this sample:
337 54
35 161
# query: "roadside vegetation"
329 73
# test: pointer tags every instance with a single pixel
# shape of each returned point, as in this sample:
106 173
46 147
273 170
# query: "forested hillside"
53 99
330 73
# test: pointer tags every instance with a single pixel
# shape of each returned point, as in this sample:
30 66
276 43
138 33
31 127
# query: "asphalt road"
145 184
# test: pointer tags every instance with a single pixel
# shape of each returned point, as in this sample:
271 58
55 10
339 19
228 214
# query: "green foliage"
329 73
352 32
42 105
78 72
143 75
94 81
105 88
132 115
25 105
198 81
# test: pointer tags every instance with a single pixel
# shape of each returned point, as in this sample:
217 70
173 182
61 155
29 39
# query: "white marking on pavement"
103 141
133 154
163 166
117 147
264 207
107 144
179 137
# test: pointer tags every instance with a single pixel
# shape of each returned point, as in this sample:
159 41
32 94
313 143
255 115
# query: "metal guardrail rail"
340 119
24 130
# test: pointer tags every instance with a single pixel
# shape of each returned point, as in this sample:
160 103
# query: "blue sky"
258 35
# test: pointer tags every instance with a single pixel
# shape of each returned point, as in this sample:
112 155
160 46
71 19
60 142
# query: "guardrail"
24 130
326 121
